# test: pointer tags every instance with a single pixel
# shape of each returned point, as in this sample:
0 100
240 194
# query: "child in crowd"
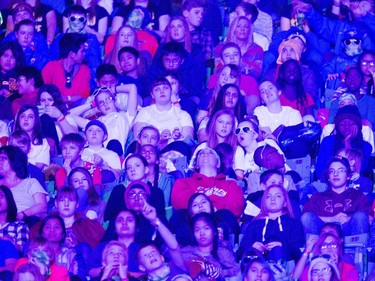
95 153
28 120
193 11
78 229
22 140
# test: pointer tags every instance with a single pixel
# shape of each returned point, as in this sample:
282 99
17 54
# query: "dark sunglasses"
73 19
355 41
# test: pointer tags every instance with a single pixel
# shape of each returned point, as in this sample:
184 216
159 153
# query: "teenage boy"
69 74
149 256
231 54
29 80
172 122
174 59
77 18
71 150
95 153
193 11
129 60
34 45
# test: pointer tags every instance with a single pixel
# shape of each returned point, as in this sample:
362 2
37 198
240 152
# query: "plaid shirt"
18 231
202 37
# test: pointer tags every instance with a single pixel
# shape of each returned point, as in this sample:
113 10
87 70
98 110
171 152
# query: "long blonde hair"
231 37
112 57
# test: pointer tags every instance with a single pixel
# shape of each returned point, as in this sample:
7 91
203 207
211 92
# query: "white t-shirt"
39 153
287 117
110 157
118 125
23 193
170 119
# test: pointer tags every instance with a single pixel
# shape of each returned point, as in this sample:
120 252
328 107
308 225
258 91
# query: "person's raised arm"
149 212
131 90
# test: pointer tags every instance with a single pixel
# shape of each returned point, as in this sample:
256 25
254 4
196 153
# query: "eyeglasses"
144 152
322 271
328 246
105 101
74 18
367 63
354 41
338 171
139 195
244 129
169 61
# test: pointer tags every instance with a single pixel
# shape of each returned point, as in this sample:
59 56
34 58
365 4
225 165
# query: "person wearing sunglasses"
95 20
248 136
78 24
352 48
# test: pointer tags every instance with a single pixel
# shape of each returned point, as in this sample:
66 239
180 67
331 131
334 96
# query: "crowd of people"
148 140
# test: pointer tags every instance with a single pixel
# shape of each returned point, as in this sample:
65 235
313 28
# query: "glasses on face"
244 129
321 271
105 101
367 63
171 61
328 246
139 195
338 171
74 18
354 41
144 152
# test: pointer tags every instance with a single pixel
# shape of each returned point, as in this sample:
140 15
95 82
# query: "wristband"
306 253
175 102
93 104
157 223
125 279
61 118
